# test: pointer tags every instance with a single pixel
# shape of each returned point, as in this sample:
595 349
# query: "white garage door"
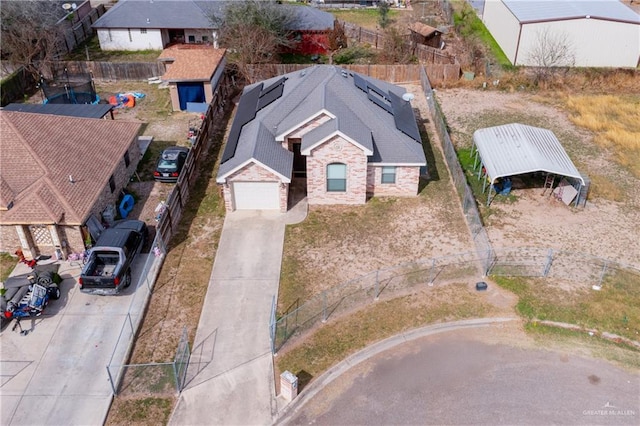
256 195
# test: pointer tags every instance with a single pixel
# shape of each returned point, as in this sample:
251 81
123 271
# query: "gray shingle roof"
308 92
553 10
177 14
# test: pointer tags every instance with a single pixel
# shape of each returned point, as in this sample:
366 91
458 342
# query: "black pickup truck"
108 266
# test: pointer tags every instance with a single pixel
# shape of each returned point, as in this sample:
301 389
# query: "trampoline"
76 90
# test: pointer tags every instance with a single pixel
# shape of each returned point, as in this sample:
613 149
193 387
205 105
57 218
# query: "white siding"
503 26
119 39
596 43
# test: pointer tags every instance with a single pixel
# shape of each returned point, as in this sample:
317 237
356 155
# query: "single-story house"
310 30
154 24
425 34
600 33
58 172
193 73
341 135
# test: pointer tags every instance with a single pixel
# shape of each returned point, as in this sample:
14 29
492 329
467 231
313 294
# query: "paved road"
231 373
456 378
56 374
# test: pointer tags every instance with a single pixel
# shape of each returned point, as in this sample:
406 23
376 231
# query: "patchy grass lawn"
336 340
141 411
7 264
366 18
91 47
613 309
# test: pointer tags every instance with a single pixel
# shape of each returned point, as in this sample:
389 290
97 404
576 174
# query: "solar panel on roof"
360 82
380 102
377 90
270 96
247 109
403 116
272 86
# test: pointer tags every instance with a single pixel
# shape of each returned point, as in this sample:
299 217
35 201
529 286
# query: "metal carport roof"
69 110
515 149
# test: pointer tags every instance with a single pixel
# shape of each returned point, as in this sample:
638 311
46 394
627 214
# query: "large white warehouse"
598 33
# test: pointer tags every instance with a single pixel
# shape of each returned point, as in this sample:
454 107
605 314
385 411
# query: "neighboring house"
603 33
56 173
341 135
425 34
310 30
193 73
155 24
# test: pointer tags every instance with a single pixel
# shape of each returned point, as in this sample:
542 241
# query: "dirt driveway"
605 228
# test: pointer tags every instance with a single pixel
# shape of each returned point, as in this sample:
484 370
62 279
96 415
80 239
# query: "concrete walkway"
230 379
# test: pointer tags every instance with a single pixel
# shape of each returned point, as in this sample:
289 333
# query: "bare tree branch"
552 50
30 34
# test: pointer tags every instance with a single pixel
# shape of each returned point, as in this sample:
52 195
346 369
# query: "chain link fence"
467 199
392 282
155 378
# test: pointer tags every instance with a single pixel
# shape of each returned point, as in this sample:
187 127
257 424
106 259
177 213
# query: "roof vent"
344 73
407 97
148 21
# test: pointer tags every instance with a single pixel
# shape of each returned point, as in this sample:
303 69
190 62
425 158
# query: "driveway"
230 377
56 374
468 376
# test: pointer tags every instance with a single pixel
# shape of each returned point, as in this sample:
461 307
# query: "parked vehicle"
170 164
27 295
108 266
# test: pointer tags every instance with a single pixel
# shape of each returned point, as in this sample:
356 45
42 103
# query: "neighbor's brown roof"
191 62
39 152
422 29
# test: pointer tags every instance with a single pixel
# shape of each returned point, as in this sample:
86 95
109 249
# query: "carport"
518 149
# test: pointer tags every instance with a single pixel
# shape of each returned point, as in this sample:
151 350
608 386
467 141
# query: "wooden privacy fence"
424 53
179 195
115 71
79 32
395 73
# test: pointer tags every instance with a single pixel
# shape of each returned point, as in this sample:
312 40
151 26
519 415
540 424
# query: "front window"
192 39
388 174
337 177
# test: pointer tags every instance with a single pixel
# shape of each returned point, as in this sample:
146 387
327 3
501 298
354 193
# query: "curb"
334 372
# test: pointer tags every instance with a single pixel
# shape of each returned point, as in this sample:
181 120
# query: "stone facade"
337 150
253 172
406 184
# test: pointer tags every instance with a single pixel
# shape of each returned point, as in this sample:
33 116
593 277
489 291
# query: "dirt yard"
604 228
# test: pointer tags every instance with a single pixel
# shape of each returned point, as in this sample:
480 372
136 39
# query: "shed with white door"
598 33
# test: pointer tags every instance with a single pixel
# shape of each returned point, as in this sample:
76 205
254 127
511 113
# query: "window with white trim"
336 177
388 174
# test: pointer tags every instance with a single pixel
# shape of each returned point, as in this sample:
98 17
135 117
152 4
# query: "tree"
254 32
383 12
550 52
336 39
30 34
396 48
